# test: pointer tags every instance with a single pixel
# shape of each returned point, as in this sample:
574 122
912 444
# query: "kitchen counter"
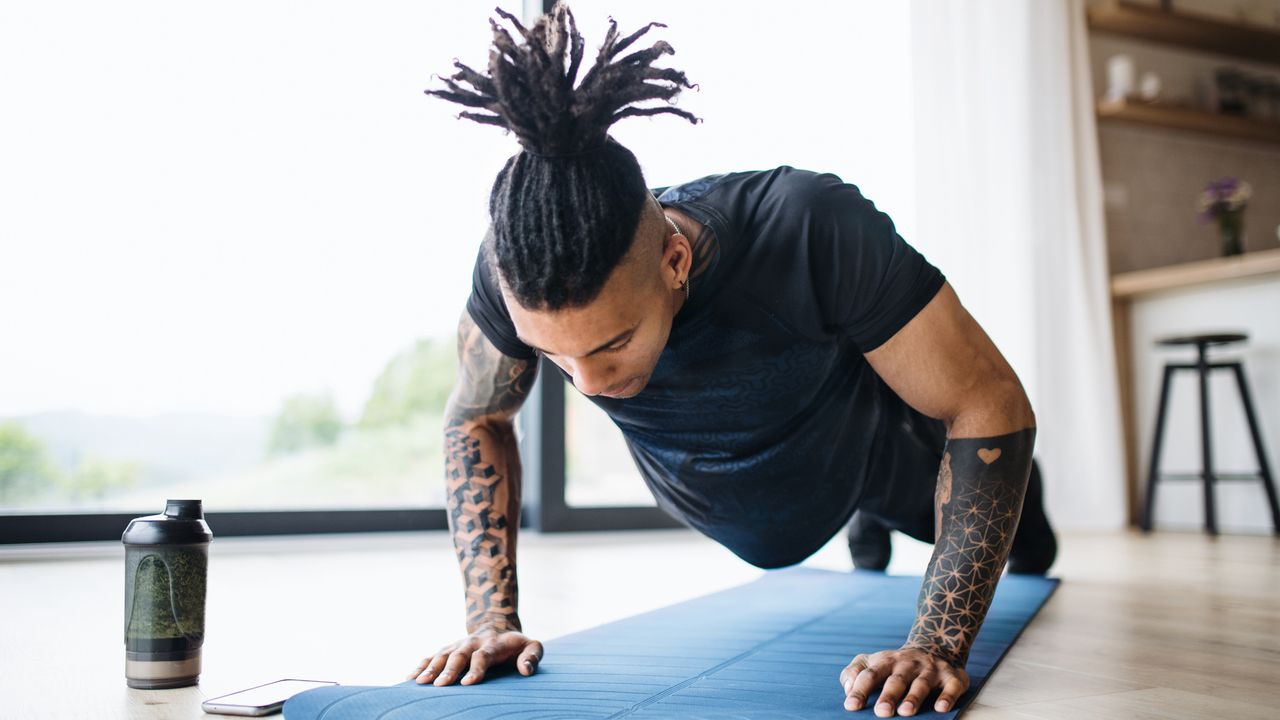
1142 282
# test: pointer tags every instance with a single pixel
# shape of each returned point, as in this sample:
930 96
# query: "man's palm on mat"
908 675
476 653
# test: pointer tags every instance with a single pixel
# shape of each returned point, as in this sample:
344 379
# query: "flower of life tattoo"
981 484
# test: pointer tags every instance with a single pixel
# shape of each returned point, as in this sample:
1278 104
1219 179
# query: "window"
236 241
236 238
598 467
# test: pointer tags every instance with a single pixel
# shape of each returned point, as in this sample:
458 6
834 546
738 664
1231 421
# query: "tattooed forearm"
482 475
481 518
981 484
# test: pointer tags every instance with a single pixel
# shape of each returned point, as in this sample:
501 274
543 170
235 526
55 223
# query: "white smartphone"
260 700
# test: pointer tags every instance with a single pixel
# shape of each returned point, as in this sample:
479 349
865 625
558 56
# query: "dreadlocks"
566 207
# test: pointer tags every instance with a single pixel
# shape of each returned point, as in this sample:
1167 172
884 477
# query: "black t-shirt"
762 425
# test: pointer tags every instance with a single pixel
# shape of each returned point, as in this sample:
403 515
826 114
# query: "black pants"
908 507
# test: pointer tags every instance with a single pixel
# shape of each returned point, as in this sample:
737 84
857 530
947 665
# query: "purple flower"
1221 188
1222 196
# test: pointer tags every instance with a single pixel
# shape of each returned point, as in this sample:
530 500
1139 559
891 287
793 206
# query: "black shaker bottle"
166 569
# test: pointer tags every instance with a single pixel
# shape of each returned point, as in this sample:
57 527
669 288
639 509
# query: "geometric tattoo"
477 523
482 475
978 503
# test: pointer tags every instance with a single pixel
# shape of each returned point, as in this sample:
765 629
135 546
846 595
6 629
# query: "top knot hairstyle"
566 208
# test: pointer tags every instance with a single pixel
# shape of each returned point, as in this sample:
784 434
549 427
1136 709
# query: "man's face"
611 345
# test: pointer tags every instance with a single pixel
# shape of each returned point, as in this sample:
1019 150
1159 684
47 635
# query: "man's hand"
909 675
479 651
482 493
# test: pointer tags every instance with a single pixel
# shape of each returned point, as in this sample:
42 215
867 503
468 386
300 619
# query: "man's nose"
591 378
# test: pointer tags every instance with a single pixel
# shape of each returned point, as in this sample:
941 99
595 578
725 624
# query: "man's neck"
704 244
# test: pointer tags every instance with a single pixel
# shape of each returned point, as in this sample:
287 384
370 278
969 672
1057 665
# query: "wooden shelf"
1190 30
1181 118
1141 282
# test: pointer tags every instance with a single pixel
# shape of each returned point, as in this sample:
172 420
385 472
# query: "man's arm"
482 477
945 366
482 474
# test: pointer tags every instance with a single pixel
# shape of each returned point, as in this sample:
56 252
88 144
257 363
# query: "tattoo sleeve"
978 503
482 475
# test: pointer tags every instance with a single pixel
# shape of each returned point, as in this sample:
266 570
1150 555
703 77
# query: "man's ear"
677 256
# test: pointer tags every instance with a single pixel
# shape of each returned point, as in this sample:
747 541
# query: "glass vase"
1231 231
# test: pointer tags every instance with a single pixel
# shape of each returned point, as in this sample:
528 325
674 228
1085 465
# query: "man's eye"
616 348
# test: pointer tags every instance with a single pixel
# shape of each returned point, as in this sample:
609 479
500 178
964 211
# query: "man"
775 354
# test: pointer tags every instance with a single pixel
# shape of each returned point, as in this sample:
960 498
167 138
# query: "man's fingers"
470 660
850 671
952 688
528 661
480 660
908 676
457 662
920 689
894 687
434 667
863 685
422 666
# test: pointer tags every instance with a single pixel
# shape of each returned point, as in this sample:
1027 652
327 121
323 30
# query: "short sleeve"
489 310
869 282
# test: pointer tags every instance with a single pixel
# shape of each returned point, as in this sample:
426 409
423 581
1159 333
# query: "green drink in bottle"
166 570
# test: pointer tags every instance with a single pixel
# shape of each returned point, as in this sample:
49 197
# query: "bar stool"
1207 474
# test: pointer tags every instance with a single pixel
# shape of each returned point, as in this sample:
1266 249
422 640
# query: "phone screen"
269 694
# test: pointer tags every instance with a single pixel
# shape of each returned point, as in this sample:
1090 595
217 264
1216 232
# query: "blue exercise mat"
772 648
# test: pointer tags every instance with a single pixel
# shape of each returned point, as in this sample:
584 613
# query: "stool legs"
1208 476
1264 468
1206 444
1153 470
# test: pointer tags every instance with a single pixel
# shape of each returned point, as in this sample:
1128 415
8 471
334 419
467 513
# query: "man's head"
610 344
588 263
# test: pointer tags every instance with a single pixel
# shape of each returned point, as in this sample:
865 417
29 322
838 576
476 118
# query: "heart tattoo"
989 456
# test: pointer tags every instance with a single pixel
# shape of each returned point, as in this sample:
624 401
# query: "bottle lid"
181 523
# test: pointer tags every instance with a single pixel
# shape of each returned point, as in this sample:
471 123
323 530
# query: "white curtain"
1009 206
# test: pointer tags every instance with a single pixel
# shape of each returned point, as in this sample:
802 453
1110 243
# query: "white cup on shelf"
1120 77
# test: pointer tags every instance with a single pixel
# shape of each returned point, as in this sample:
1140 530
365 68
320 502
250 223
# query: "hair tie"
578 153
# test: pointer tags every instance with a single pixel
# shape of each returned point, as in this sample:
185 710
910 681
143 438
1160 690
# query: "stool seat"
1205 339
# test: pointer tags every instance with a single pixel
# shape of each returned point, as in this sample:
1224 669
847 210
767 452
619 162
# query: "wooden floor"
1168 626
